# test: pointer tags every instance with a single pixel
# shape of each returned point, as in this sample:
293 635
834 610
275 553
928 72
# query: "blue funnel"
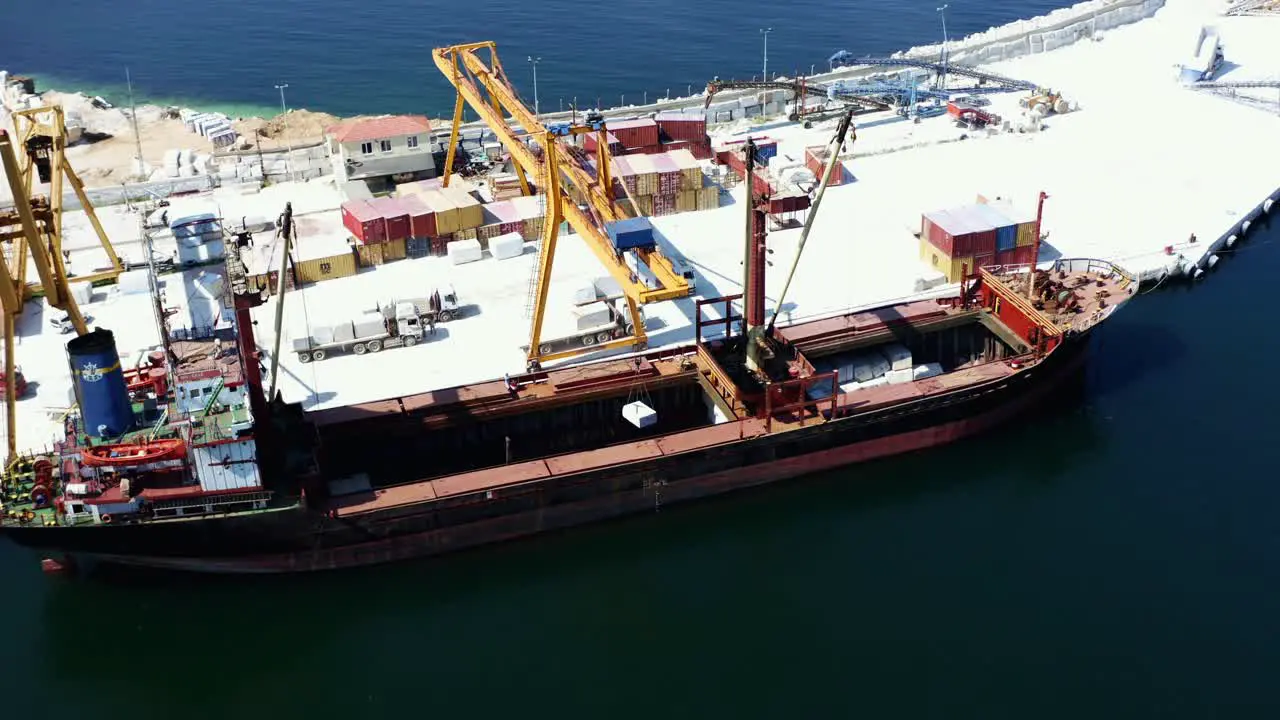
101 391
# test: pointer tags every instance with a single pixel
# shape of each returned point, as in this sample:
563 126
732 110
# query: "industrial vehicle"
1050 101
371 332
594 324
438 307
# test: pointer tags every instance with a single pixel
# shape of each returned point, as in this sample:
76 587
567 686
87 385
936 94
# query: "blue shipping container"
1006 238
99 382
631 233
1006 229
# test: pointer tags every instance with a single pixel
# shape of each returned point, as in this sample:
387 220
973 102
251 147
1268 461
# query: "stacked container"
664 183
815 159
1024 220
958 240
364 221
635 135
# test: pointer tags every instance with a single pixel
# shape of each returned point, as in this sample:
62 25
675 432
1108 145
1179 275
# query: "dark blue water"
349 57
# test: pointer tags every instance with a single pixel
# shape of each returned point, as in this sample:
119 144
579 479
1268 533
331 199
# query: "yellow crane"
32 231
544 153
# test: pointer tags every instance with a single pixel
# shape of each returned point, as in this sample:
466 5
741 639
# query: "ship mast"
284 233
754 264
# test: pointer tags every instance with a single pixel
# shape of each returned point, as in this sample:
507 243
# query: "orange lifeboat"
134 453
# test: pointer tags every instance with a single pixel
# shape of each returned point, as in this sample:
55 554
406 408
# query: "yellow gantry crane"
32 231
538 151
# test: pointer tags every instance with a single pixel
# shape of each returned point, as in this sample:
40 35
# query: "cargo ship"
185 463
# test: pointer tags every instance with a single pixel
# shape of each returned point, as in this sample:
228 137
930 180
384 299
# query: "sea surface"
349 57
1115 558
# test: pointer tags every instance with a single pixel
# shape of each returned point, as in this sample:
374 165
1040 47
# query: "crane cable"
845 127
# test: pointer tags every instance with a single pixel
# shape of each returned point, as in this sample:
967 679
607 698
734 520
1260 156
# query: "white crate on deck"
898 355
464 251
639 414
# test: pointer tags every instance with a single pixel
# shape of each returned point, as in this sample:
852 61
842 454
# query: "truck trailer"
371 332
591 324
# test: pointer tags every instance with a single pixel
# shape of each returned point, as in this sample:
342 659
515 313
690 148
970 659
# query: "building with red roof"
391 145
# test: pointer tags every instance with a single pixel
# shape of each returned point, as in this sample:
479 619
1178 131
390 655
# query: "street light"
765 71
942 11
284 127
534 62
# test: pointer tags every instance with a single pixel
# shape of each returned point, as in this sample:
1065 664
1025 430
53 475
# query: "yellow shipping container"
950 267
468 234
484 232
470 214
646 177
532 228
393 250
445 211
709 197
645 202
687 201
689 168
1026 234
370 255
327 268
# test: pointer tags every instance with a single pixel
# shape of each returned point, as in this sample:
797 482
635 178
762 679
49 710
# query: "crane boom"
559 172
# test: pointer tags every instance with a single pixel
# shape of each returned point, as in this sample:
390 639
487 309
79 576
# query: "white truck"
371 332
590 324
438 307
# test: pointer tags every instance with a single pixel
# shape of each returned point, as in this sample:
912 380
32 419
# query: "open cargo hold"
959 232
395 215
323 257
445 212
364 221
469 213
630 233
634 133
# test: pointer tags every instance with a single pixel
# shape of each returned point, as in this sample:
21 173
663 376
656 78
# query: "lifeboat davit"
134 453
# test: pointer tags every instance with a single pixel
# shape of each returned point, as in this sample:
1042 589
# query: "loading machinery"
800 89
548 164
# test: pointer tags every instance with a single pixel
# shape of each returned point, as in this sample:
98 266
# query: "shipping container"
951 268
469 213
670 175
959 232
709 197
422 222
416 247
689 167
615 146
634 133
664 204
686 201
700 149
394 250
394 215
323 258
788 202
630 233
370 255
468 234
677 126
766 148
1006 229
1027 235
1016 256
444 211
364 221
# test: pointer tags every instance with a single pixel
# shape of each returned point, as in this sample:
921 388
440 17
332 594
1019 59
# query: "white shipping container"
639 414
507 246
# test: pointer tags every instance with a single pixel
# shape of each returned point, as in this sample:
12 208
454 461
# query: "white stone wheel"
375 345
359 349
410 341
318 355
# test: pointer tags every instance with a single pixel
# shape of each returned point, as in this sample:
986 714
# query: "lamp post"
942 11
764 72
284 124
534 62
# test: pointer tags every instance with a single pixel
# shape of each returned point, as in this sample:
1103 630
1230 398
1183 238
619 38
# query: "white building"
382 146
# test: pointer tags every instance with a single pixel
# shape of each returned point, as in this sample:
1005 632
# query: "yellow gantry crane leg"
46 126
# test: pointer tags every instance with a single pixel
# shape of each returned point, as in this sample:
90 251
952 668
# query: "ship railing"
198 332
850 403
780 392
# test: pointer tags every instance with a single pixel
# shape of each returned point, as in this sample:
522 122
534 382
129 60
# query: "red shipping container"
677 126
788 203
395 216
664 204
422 221
960 232
364 221
634 133
1016 256
700 149
589 143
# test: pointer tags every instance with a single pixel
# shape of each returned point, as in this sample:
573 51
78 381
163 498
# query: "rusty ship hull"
494 493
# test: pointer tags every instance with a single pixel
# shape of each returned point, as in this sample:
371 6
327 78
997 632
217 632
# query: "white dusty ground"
1142 165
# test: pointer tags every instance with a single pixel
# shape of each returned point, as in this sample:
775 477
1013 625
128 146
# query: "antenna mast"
133 115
